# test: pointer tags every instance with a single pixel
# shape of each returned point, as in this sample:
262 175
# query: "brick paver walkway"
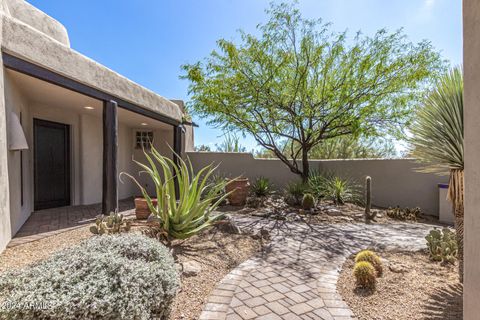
296 278
45 223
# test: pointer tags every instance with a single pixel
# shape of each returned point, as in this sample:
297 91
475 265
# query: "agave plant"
437 141
197 198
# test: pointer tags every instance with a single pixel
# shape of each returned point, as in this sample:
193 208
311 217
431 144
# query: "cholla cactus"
114 223
442 245
308 201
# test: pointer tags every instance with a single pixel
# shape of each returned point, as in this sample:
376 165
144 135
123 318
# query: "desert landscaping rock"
191 268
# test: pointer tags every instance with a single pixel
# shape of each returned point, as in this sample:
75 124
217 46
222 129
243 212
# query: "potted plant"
237 190
141 208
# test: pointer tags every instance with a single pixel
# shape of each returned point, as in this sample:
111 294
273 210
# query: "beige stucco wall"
16 103
394 182
471 66
5 225
30 15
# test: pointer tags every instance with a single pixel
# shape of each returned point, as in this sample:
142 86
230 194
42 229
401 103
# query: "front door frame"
67 159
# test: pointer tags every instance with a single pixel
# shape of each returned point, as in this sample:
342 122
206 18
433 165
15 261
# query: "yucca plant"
197 198
340 190
262 187
437 141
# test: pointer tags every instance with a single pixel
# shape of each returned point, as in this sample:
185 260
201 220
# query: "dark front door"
51 164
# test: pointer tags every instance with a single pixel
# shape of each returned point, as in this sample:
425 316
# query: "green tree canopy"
300 83
345 147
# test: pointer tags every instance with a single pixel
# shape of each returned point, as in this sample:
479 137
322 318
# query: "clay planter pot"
241 188
141 208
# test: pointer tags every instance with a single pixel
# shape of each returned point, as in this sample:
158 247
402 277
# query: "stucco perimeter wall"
471 69
394 181
5 227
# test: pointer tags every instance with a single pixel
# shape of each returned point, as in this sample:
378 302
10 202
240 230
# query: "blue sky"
148 40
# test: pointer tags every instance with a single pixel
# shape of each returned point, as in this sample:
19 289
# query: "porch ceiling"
44 93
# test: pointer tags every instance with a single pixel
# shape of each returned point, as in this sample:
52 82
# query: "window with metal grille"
143 139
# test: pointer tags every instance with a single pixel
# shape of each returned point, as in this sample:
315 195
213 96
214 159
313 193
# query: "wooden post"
110 164
177 152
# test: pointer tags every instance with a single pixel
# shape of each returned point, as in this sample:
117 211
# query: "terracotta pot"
241 189
141 208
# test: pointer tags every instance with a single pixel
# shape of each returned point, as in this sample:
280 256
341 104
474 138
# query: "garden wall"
394 181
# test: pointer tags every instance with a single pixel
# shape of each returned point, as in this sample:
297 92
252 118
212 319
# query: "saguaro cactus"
368 199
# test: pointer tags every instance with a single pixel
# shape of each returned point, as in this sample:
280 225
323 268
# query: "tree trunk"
459 233
456 195
305 165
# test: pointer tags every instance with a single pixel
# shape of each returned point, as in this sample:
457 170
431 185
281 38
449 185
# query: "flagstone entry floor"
45 223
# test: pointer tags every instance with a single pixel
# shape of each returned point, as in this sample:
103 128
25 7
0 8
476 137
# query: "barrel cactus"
364 274
308 201
372 258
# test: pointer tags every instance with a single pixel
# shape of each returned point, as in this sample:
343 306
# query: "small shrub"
372 258
316 182
404 214
308 201
262 187
341 190
364 274
442 245
294 193
114 223
125 276
334 188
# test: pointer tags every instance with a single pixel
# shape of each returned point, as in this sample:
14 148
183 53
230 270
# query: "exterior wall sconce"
16 136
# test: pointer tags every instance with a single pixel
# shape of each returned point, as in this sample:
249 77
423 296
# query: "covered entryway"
78 141
51 164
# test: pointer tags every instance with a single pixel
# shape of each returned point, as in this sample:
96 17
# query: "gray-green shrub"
127 276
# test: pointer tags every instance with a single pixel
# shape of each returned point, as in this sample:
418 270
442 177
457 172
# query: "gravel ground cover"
417 288
274 207
217 253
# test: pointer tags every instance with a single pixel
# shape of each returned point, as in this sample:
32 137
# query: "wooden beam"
177 152
110 163
33 70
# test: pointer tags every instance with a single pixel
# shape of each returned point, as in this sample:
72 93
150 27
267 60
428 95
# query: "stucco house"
69 125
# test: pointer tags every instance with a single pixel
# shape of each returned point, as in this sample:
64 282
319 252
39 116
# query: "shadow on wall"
394 181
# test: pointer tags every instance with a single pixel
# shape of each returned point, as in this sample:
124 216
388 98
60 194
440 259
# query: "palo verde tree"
298 83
